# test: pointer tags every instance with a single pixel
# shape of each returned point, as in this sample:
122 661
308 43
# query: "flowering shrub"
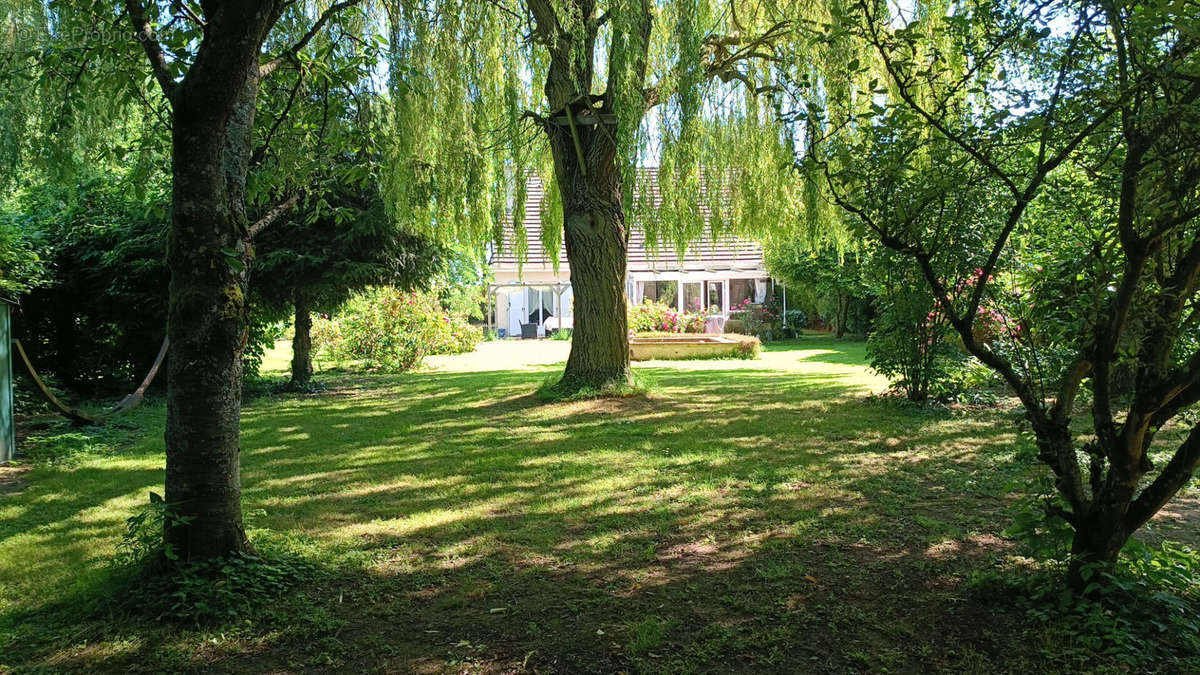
755 320
392 330
652 316
910 345
991 324
327 341
914 343
694 322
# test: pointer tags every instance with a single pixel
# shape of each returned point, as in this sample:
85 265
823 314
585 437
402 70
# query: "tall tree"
603 68
211 78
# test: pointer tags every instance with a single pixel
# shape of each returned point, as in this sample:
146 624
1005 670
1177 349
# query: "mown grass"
746 516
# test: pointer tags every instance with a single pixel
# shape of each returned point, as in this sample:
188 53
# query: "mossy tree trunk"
208 253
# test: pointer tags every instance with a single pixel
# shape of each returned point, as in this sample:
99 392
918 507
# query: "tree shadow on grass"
757 522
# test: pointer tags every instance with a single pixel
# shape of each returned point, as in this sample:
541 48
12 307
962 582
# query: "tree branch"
1174 476
271 216
290 54
144 33
261 152
718 61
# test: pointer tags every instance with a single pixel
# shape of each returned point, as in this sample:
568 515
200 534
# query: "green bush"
911 346
796 320
96 318
1141 611
392 330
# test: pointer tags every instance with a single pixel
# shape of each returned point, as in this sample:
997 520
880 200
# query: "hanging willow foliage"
694 87
69 96
722 97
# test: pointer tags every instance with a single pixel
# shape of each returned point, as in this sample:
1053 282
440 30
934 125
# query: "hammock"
128 403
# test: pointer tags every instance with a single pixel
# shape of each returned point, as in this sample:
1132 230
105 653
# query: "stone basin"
682 347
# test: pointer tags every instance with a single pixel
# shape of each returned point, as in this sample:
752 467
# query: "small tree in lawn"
964 129
326 253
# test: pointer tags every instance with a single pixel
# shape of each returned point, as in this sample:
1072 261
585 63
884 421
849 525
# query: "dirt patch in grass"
1178 521
12 479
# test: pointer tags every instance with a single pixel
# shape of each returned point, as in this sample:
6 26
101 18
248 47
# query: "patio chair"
529 331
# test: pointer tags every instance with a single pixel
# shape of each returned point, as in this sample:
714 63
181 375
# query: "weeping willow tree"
691 84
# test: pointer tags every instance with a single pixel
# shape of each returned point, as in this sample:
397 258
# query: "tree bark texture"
586 171
302 369
597 248
209 256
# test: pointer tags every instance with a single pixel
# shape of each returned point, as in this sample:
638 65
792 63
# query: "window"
692 300
715 291
741 290
660 291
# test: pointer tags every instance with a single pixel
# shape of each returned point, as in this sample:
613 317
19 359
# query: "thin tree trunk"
842 303
302 369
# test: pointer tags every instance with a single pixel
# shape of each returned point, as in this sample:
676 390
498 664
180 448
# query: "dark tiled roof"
707 254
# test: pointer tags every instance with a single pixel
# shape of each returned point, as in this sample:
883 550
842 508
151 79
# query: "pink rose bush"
654 317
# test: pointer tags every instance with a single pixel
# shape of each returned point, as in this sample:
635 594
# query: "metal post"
8 440
785 306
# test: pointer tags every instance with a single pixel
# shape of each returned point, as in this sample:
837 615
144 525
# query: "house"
534 297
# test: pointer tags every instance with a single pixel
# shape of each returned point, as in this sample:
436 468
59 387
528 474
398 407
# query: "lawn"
747 516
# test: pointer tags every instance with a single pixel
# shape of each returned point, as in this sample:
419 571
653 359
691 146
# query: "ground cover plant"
747 516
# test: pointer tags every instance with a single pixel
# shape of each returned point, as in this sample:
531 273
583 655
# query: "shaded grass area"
754 516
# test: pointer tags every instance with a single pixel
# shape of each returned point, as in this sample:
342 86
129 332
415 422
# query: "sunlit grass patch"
746 515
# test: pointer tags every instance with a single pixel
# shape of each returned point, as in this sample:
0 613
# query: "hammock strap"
128 403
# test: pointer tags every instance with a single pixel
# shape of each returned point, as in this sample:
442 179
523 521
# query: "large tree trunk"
597 244
302 369
208 255
206 323
586 171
